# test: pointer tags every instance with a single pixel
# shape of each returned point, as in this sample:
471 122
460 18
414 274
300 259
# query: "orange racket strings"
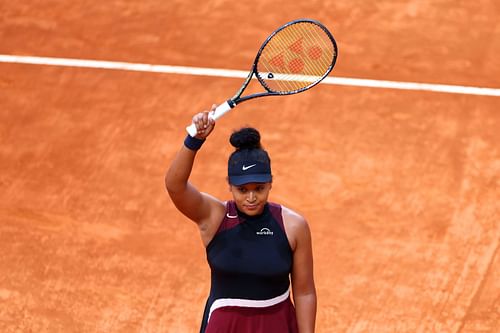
296 57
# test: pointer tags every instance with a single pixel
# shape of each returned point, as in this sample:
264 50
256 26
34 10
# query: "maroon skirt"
278 318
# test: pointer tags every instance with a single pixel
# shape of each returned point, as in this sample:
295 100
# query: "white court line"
443 88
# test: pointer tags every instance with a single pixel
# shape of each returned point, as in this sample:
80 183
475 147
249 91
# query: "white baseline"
183 70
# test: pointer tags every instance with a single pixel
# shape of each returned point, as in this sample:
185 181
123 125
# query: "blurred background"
400 187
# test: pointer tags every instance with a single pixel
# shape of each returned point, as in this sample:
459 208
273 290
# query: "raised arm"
199 207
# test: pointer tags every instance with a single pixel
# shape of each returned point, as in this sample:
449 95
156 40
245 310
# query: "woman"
254 247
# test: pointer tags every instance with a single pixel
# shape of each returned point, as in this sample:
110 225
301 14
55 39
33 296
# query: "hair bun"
246 138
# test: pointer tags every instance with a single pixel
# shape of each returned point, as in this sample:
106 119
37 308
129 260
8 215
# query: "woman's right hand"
204 123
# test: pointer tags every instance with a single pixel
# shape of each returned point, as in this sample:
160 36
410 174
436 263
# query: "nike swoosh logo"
231 216
245 168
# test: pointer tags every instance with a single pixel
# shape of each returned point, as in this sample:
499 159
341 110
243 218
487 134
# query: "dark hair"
246 138
248 151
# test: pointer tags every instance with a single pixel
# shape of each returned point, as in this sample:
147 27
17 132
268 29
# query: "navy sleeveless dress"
250 261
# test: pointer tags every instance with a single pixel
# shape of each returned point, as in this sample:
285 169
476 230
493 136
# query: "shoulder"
216 207
296 226
209 226
293 218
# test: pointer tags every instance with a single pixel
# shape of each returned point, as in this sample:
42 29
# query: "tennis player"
254 247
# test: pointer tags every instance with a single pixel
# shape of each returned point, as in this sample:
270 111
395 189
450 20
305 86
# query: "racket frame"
237 98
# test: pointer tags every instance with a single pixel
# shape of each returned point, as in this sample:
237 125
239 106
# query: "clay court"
401 187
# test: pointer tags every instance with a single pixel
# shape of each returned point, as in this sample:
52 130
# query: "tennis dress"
250 261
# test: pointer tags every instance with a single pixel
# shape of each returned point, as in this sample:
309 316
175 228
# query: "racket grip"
222 109
216 114
191 129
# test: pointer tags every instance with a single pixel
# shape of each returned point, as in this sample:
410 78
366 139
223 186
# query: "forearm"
178 174
305 307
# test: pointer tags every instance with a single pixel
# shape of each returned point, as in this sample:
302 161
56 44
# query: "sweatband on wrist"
193 143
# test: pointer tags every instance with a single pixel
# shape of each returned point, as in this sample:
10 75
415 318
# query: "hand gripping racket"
294 58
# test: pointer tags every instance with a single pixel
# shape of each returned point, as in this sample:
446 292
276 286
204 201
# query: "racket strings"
289 78
296 57
315 64
311 63
299 64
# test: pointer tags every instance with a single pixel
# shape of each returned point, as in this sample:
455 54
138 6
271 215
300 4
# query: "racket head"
295 57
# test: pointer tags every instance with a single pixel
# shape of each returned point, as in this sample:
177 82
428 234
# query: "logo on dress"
264 231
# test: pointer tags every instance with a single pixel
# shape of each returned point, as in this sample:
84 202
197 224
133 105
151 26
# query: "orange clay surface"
401 188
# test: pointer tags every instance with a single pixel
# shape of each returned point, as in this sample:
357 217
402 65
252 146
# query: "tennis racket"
294 58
